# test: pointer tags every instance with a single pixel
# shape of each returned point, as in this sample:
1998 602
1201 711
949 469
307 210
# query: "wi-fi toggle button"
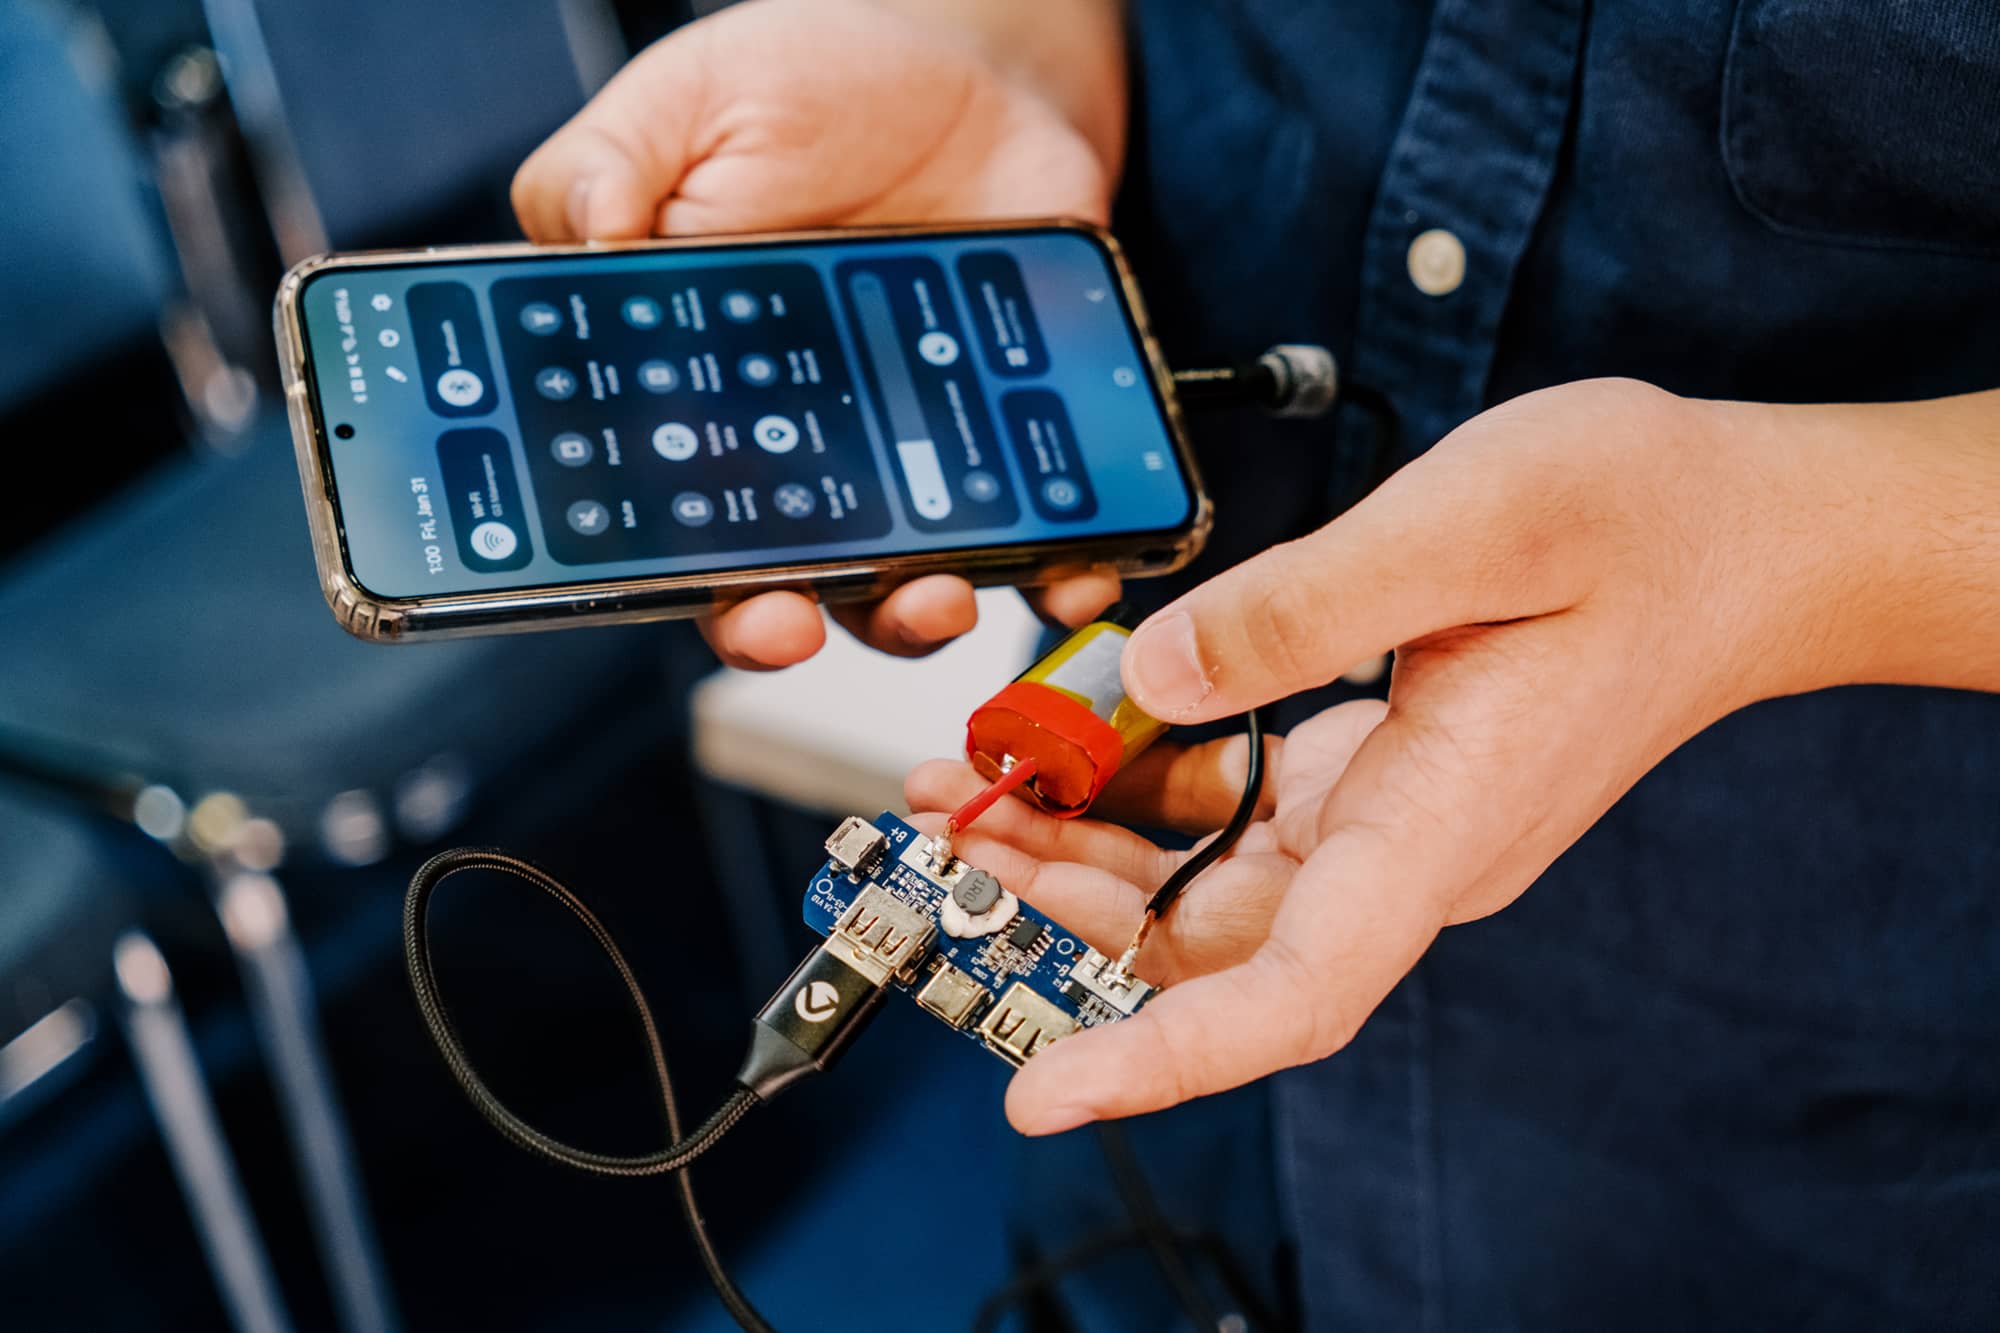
494 540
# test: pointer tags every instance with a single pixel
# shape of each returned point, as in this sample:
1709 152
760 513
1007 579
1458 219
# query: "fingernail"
576 208
1163 666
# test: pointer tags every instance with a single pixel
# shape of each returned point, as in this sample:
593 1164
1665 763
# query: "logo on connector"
816 1003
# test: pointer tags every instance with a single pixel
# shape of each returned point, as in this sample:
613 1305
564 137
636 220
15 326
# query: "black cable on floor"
1153 1229
1041 1277
679 1152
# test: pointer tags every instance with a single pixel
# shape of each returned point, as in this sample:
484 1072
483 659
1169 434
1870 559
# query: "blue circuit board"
974 983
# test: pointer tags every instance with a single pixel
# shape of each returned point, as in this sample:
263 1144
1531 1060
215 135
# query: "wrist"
1876 549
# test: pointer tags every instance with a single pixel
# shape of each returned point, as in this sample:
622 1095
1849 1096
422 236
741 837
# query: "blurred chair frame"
250 619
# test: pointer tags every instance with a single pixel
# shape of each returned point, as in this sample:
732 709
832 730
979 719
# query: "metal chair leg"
171 1077
254 917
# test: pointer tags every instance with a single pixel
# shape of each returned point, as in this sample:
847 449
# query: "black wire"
1125 1172
1153 1229
679 1152
1034 1280
675 1157
1246 809
1042 1276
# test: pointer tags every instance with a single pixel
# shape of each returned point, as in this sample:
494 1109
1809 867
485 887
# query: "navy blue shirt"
1735 1060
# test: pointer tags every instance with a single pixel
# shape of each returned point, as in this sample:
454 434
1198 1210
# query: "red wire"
1003 784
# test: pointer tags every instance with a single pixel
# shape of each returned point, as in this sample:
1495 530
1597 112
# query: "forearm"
1071 51
1895 516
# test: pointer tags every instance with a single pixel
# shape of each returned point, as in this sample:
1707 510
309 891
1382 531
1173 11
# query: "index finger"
1453 539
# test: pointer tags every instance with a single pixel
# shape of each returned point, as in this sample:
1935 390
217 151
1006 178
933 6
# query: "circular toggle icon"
641 312
658 377
676 442
540 318
693 509
460 388
494 540
775 434
793 500
938 347
587 518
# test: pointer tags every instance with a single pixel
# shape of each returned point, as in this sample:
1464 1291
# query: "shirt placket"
1458 202
1454 212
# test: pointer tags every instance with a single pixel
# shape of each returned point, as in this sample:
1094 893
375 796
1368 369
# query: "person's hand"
800 113
1574 583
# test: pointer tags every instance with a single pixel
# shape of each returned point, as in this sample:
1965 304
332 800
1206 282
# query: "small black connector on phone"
1288 380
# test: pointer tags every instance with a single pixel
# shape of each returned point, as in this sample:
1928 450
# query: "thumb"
1436 547
602 175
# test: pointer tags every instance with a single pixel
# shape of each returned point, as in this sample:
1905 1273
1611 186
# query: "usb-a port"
1022 1024
883 936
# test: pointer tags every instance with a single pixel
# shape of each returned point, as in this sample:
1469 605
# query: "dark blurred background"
216 1105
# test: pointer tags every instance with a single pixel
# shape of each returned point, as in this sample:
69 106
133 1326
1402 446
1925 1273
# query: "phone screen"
523 422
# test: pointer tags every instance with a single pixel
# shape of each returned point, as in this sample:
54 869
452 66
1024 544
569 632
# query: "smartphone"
517 437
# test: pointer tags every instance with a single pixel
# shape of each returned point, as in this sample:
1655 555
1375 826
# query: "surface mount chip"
879 896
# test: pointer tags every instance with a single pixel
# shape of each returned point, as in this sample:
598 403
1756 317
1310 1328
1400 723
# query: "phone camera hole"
344 431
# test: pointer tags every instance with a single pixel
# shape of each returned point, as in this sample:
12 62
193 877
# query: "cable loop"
672 1158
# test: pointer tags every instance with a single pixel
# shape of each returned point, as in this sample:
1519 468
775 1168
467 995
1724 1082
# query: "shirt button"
1437 262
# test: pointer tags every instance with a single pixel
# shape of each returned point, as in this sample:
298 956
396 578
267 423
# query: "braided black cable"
679 1152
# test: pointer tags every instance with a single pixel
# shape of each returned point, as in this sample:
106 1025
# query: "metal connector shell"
882 937
1022 1024
813 1017
953 995
856 846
